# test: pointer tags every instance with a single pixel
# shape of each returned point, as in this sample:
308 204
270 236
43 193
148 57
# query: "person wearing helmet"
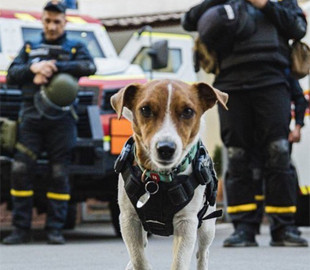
47 73
253 54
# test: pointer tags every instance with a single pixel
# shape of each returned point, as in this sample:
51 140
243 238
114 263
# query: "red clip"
155 177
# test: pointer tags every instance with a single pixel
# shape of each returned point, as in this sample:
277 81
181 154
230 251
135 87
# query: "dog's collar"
168 176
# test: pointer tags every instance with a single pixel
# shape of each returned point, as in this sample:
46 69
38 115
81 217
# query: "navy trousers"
57 138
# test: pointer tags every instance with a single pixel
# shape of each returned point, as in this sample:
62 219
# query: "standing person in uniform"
252 67
300 105
33 68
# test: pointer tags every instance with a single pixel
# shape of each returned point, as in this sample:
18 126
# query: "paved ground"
94 246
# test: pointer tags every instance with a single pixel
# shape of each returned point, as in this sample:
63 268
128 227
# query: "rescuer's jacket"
275 25
71 57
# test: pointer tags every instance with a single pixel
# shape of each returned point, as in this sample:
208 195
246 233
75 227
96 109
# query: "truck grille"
10 103
86 97
106 96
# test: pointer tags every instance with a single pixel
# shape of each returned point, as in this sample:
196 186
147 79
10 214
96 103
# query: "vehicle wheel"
71 216
114 209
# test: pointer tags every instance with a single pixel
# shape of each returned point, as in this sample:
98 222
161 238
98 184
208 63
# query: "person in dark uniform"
300 105
33 68
299 108
253 72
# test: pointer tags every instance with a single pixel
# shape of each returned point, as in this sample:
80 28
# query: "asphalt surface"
94 246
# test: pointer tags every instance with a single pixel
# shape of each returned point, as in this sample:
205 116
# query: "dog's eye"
187 113
146 111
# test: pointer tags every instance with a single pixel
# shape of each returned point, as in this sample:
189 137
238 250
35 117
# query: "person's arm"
286 15
81 65
300 104
190 19
19 70
295 135
299 100
300 108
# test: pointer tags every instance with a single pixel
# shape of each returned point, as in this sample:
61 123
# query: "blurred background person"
45 126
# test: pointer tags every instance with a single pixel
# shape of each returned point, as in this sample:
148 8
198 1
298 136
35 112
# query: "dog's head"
165 116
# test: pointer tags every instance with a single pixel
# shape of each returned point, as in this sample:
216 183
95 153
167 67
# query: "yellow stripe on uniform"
241 208
259 197
58 196
305 190
280 209
21 193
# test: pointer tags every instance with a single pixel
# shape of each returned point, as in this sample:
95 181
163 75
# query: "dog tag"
143 199
151 188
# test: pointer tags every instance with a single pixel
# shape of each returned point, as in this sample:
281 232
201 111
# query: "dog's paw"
129 266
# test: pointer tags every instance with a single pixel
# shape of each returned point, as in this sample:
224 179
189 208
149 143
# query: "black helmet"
221 24
55 98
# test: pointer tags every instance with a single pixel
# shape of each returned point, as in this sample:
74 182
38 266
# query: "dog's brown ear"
123 98
210 95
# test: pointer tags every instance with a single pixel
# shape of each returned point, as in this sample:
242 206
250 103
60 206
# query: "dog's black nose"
165 149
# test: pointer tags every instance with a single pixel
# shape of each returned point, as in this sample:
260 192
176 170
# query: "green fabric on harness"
168 176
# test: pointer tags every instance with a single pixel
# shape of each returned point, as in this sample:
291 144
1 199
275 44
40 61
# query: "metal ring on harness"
147 185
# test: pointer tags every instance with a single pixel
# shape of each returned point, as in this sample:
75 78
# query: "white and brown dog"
165 116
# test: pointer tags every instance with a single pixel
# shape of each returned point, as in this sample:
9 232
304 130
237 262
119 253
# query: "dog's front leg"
205 237
185 234
133 235
135 241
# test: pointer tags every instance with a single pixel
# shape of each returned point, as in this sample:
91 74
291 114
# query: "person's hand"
258 3
40 79
295 134
46 68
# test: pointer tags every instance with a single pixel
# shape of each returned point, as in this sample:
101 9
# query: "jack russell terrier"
167 181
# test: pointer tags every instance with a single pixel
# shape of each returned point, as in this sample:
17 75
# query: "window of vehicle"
174 60
86 37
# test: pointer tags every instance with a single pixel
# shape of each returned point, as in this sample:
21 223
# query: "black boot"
241 238
18 236
287 237
55 237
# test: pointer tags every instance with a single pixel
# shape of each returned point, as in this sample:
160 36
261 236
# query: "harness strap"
202 212
215 214
74 113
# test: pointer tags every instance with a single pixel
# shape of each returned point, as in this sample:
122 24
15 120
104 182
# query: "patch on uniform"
28 48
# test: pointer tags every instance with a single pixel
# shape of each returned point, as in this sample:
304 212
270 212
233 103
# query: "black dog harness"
163 199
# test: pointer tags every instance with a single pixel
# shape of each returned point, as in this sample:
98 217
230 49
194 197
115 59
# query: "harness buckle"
121 159
202 166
